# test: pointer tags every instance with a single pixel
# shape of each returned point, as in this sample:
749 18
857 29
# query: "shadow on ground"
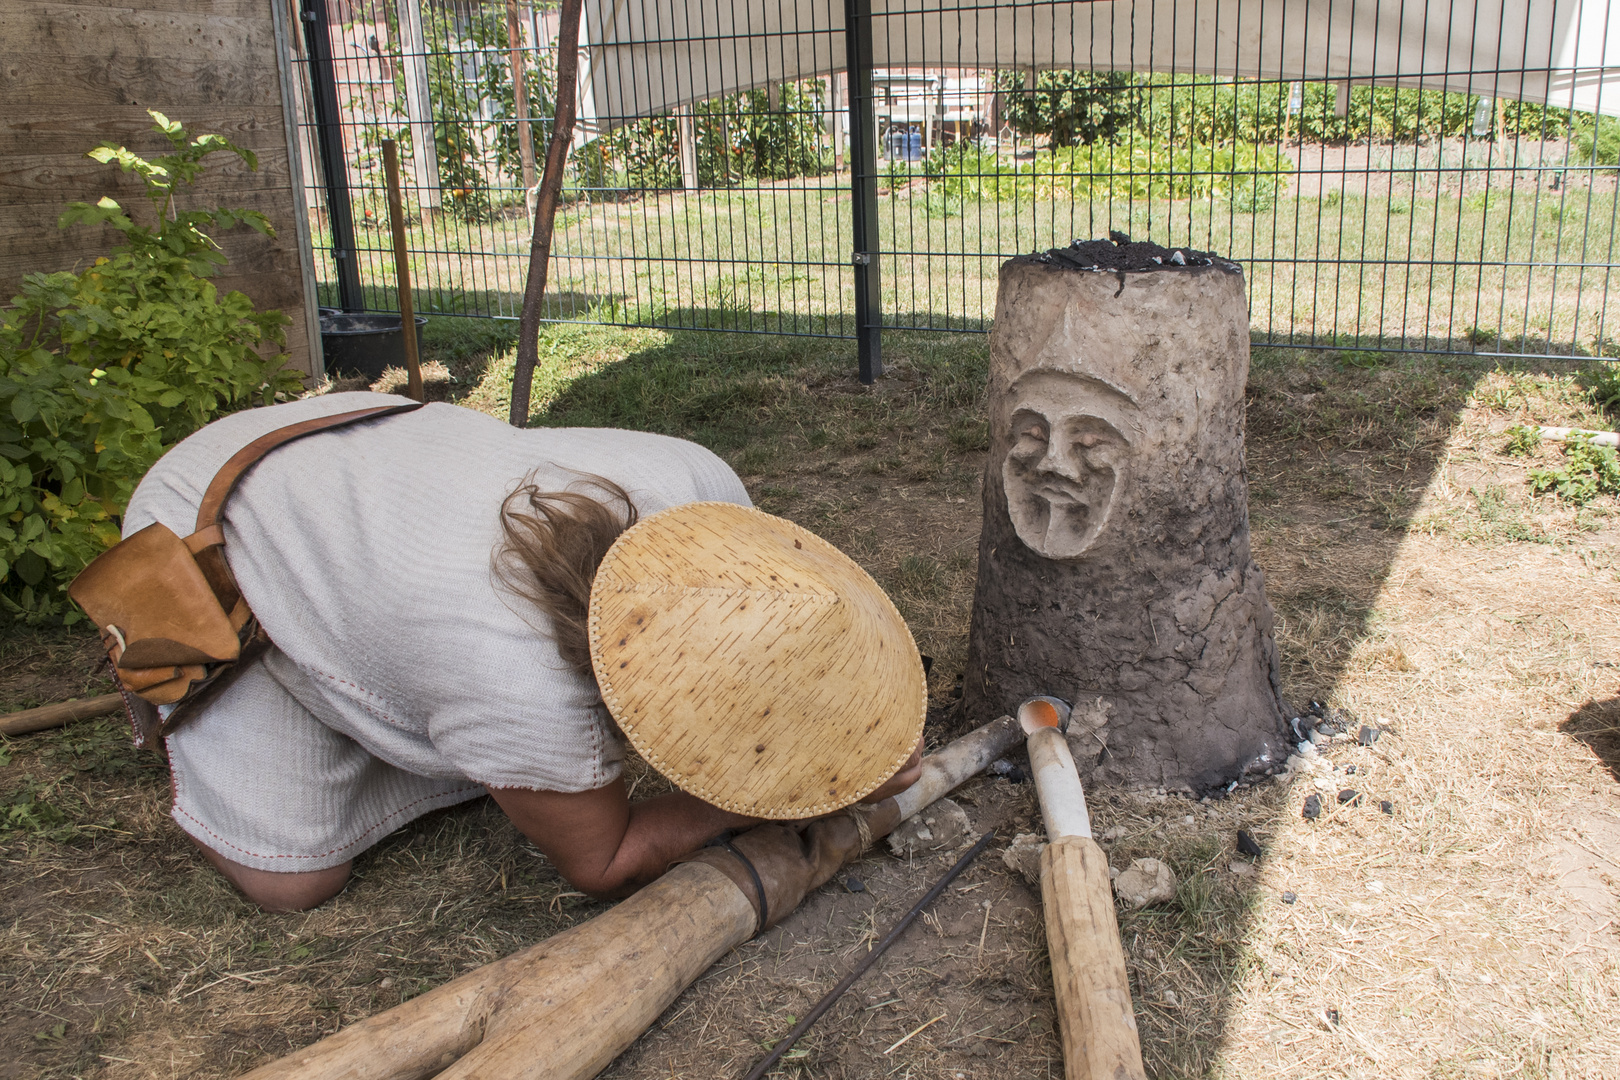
1597 726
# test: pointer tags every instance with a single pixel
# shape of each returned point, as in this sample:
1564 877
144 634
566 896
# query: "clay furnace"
1114 565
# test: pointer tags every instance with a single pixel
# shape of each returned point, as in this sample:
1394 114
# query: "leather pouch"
161 622
171 617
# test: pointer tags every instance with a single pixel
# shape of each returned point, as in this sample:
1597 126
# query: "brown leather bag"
172 619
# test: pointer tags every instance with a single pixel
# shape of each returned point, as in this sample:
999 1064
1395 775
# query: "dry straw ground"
1470 931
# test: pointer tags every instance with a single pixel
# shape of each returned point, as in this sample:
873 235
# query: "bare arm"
604 845
609 847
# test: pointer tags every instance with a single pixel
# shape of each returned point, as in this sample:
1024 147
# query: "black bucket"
364 344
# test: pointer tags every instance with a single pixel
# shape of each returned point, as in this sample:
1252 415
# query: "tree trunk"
1114 565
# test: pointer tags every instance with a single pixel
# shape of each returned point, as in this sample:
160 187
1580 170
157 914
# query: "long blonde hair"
553 541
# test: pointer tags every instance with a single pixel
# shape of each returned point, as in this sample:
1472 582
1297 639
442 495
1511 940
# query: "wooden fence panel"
75 75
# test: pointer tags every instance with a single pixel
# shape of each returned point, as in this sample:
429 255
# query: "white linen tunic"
404 677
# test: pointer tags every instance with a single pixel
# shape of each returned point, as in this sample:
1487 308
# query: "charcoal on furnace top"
1122 254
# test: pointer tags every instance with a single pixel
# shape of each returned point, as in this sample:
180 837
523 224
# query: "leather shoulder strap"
225 481
207 543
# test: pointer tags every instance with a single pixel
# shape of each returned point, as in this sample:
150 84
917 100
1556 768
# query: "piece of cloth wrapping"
367 555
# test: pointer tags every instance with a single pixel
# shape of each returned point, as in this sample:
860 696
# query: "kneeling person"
440 630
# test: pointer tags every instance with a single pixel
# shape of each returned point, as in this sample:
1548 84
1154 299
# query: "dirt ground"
1459 916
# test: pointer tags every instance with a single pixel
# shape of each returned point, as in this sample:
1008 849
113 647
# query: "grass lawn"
1426 258
1471 930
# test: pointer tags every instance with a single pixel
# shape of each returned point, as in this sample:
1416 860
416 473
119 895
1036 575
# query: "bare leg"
297 891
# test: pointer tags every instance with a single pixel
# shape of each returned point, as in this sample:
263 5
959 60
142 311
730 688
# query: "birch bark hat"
752 663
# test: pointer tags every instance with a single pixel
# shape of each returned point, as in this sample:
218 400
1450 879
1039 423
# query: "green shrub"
1596 141
1139 169
737 137
1071 107
102 371
1068 107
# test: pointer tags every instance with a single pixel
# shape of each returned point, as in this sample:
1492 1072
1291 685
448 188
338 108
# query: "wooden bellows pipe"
1093 988
53 716
565 1008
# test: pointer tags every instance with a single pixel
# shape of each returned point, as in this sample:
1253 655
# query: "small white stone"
1168 997
1023 856
1188 820
1112 833
385 984
1242 867
1375 886
1145 881
946 821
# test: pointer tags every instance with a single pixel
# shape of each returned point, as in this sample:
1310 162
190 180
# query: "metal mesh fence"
1438 179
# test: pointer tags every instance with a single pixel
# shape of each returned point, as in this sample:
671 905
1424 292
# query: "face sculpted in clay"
1069 460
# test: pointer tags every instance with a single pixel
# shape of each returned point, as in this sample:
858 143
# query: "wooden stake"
520 99
64 712
545 211
402 268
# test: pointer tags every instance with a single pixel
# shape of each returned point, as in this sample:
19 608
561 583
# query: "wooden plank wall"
73 75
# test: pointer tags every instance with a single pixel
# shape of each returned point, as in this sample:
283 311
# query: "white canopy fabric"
644 57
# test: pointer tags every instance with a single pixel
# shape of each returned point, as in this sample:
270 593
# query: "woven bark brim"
753 663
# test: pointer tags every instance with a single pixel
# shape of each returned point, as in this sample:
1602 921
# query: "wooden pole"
520 99
402 268
565 1008
545 211
65 712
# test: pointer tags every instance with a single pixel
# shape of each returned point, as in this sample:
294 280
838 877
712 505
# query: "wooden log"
565 1008
562 1008
1095 1017
63 712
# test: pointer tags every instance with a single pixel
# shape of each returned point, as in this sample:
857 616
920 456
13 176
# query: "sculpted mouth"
1054 493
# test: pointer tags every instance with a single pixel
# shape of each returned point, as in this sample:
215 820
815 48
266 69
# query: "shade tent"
644 57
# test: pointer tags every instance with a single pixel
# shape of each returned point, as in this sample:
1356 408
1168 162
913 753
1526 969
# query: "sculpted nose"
1057 462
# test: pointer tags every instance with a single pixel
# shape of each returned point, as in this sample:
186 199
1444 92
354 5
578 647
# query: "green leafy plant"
103 370
1588 471
1522 441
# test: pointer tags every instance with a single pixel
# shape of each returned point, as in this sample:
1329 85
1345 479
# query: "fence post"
863 188
329 134
413 50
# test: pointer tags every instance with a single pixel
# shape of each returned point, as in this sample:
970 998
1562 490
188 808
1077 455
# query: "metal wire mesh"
1431 197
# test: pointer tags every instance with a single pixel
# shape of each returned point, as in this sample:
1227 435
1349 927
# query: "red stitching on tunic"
379 714
257 855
